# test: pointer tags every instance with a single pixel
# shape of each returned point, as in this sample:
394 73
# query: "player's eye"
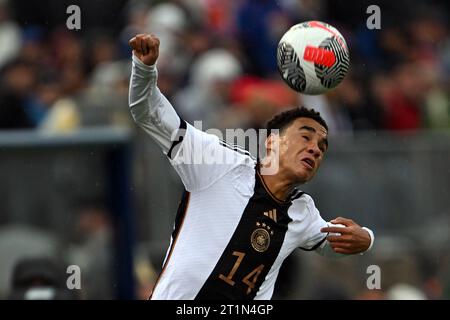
306 138
322 147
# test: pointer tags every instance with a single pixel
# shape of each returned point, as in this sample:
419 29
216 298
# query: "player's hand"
352 239
146 48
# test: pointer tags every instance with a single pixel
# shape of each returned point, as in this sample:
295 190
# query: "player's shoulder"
299 196
239 153
229 151
304 201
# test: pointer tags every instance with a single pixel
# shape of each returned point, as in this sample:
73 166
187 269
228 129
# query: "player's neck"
279 185
280 189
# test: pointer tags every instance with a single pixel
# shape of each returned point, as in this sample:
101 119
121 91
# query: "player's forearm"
143 90
149 108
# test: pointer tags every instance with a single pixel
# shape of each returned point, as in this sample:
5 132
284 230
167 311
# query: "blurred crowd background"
390 119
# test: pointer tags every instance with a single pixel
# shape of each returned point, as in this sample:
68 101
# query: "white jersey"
231 234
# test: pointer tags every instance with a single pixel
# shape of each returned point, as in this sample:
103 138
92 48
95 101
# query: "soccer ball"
312 57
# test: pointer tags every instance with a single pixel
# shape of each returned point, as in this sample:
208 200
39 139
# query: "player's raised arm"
199 158
150 109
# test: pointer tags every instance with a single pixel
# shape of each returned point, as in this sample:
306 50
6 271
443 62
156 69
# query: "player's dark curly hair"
282 120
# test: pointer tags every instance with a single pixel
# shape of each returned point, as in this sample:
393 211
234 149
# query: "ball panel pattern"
330 77
289 67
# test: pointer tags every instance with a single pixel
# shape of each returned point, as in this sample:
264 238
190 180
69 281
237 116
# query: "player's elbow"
140 117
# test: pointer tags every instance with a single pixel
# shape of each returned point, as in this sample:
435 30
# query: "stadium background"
81 185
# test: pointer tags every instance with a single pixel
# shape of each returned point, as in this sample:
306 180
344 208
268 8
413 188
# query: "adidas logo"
272 214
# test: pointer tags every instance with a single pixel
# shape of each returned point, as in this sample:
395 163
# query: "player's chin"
304 175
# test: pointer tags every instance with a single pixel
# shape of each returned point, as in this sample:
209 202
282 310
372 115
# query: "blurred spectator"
398 81
68 51
212 75
335 115
40 278
303 10
63 117
146 275
405 104
135 17
437 100
348 98
260 25
257 99
102 49
34 48
217 65
403 291
105 100
93 250
22 241
47 91
9 35
168 21
16 90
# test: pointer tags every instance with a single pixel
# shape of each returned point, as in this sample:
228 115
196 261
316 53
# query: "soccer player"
236 225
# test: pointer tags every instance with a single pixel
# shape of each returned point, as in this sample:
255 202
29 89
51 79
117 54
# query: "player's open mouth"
309 163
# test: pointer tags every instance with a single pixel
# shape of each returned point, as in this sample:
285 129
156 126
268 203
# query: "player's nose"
313 149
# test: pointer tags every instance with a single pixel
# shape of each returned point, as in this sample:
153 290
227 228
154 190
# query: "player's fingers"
149 45
144 46
140 36
344 238
346 222
342 251
341 245
155 41
154 44
340 230
143 43
138 45
132 43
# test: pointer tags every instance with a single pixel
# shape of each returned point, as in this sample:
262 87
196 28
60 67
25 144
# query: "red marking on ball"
320 56
317 24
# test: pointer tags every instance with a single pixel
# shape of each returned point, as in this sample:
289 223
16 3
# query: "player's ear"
272 142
